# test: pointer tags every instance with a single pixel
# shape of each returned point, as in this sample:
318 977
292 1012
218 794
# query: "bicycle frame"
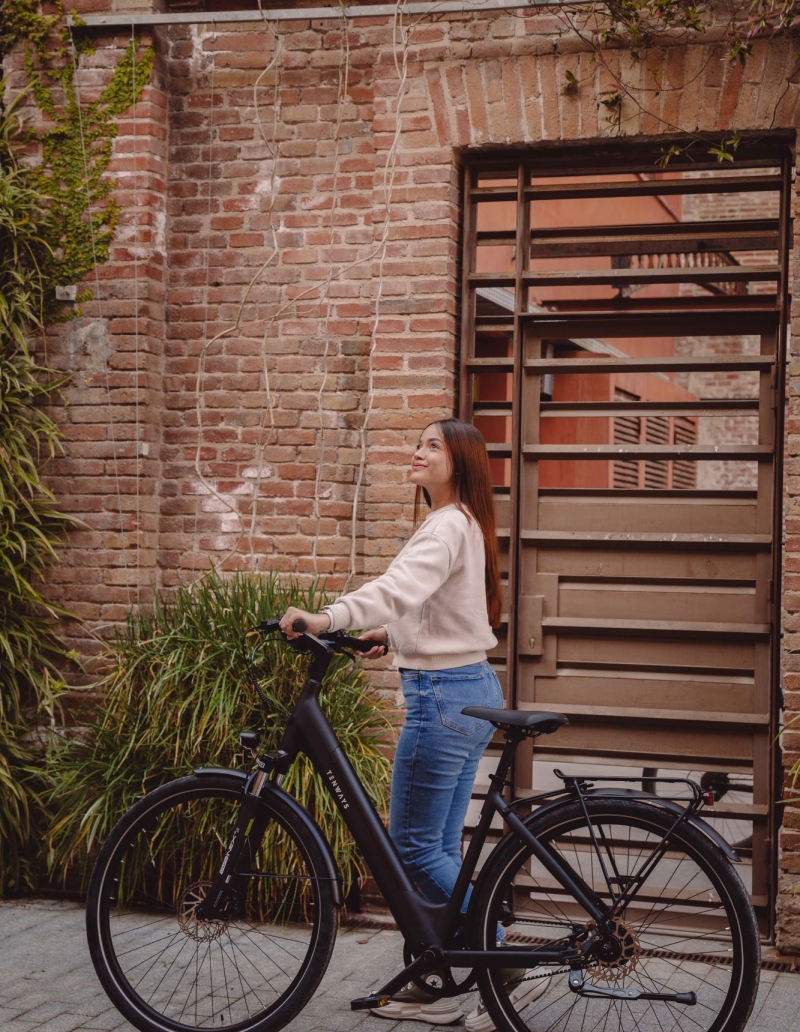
424 924
427 928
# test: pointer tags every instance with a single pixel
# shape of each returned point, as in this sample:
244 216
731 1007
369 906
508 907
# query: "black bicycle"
629 902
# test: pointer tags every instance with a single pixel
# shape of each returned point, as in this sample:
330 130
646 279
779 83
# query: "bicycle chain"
546 974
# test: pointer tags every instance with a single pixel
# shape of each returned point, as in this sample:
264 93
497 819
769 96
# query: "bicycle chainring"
443 983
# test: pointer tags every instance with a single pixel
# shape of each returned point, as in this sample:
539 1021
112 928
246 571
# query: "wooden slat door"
633 409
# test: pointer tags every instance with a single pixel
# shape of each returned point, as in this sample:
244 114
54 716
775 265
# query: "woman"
436 606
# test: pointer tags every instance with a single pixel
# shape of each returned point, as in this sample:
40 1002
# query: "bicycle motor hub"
191 923
615 952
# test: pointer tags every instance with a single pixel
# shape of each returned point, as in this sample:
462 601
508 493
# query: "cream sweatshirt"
432 597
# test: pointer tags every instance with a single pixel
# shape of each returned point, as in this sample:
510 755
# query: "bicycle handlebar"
337 639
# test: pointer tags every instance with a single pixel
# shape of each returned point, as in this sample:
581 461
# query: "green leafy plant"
30 525
75 143
178 696
726 149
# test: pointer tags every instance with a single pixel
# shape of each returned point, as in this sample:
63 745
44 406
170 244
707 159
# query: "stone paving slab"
48 984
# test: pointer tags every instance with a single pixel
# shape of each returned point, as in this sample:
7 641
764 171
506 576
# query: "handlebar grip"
365 644
300 625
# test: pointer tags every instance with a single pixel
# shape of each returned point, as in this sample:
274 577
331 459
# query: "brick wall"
271 287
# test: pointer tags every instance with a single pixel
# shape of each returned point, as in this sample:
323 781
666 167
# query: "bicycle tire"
737 832
167 971
693 886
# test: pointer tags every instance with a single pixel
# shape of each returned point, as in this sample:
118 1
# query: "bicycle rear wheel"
168 971
689 927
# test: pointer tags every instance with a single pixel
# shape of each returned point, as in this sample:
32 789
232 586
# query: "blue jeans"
434 770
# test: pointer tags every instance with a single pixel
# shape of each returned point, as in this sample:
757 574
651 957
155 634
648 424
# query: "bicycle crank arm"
421 966
597 992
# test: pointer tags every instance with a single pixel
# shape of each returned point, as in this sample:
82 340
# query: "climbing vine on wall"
633 28
74 136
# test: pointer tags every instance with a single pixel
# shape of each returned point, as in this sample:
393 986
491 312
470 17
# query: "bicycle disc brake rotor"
615 955
191 925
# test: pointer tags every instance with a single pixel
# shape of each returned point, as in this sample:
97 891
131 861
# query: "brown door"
623 355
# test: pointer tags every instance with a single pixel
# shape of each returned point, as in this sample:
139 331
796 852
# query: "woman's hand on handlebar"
316 623
377 634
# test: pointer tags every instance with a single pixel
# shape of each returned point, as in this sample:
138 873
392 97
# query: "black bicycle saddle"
541 723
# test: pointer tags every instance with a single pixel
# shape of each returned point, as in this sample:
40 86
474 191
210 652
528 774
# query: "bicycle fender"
667 804
201 772
299 812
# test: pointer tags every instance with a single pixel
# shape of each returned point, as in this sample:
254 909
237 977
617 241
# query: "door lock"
530 609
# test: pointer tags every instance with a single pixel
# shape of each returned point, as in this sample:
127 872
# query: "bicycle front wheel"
689 927
168 971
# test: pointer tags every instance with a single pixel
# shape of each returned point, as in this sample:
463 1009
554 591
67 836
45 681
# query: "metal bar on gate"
667 274
730 452
678 363
653 187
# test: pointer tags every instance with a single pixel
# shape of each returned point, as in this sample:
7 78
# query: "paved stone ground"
47 983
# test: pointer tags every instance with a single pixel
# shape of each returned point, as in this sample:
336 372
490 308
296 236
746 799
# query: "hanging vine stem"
403 35
276 63
90 219
136 373
378 249
201 362
344 74
267 426
270 140
400 34
401 40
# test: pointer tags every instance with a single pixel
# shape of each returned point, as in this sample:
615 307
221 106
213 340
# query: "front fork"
248 832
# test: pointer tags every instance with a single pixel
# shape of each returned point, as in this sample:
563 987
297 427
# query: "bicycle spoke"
144 946
269 957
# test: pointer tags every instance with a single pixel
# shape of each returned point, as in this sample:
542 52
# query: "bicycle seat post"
500 778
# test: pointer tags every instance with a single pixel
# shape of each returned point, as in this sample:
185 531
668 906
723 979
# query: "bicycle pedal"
368 1002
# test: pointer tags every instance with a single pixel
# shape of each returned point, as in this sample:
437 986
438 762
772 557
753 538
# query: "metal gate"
623 353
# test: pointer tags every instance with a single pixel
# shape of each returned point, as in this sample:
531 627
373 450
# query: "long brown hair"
471 485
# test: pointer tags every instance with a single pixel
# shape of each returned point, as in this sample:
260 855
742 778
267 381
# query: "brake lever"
302 643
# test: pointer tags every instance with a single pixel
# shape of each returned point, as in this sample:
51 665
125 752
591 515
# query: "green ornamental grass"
178 696
30 525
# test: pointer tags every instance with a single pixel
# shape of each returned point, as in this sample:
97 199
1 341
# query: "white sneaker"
414 1004
524 993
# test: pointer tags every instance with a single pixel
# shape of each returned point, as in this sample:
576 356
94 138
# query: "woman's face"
430 465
